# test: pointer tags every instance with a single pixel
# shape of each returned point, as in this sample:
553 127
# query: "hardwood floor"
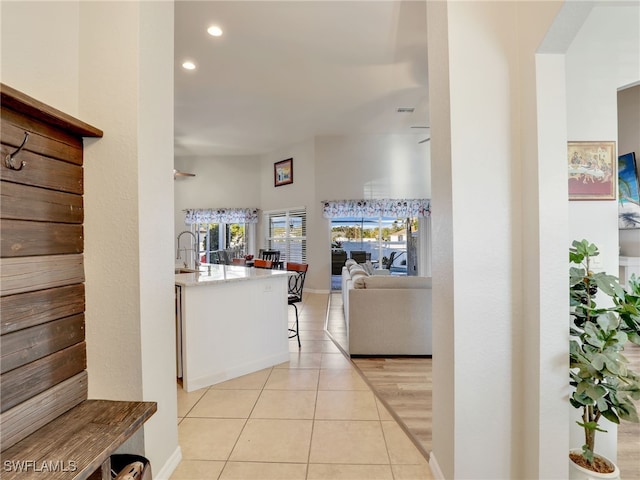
405 384
629 433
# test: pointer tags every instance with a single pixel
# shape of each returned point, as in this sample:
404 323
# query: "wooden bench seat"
78 444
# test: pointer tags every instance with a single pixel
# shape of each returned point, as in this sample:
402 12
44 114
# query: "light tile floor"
311 418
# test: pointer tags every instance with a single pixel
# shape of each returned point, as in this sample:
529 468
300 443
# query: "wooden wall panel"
34 308
28 381
24 346
43 172
43 145
20 239
28 274
24 419
23 202
42 296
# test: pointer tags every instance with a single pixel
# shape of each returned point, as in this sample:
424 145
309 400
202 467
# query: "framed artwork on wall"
628 191
283 172
592 170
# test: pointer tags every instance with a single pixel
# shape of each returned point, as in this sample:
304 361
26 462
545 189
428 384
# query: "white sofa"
385 314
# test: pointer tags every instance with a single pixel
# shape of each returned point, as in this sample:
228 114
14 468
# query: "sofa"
386 315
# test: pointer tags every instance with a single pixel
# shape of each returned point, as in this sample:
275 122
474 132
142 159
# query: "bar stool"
296 285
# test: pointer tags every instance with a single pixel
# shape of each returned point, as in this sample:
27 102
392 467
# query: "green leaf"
587 453
628 412
611 416
596 392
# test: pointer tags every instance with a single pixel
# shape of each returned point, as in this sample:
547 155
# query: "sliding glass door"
387 242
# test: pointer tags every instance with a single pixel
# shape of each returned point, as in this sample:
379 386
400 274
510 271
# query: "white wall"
629 141
27 41
301 193
110 64
373 166
484 129
232 181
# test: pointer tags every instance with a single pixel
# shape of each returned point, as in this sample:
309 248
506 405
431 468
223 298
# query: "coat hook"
9 160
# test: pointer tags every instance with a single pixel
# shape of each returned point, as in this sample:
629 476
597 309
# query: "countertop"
212 274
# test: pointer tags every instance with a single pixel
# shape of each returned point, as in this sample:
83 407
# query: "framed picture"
283 172
628 191
592 170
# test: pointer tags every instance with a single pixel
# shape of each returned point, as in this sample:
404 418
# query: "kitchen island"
231 321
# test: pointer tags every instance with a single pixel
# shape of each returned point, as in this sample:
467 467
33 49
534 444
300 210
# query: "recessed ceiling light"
214 31
188 65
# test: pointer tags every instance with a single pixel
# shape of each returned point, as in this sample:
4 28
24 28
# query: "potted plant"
603 384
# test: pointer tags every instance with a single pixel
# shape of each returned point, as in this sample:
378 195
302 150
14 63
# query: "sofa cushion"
356 274
356 268
391 281
350 262
368 267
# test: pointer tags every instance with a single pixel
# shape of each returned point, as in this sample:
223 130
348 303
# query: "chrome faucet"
194 248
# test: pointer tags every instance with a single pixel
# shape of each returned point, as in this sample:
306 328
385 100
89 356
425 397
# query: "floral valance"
221 215
398 207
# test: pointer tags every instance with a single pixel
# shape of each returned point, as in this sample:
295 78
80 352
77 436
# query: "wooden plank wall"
42 331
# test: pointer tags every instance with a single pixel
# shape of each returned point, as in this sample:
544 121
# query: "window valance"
221 215
398 207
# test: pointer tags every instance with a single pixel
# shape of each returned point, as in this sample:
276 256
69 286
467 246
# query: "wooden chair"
239 261
259 263
296 285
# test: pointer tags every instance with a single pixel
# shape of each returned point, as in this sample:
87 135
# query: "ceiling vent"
405 110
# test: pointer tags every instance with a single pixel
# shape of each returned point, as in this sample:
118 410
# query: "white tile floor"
311 418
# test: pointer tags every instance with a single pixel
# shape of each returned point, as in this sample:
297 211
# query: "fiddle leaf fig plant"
603 384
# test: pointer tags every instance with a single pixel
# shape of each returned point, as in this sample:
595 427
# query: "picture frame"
628 192
593 172
283 172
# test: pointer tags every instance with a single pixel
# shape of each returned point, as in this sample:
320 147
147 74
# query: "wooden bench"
49 429
78 444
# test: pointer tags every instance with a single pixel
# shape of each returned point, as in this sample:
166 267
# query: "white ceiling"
285 71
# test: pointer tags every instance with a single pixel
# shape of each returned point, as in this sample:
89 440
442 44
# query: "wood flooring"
404 384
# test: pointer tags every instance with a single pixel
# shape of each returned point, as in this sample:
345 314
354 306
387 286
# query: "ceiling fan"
426 139
178 173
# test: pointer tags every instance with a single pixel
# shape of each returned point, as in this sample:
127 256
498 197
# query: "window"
287 232
220 236
388 242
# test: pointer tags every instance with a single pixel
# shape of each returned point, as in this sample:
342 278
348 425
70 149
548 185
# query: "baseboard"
218 376
435 468
169 466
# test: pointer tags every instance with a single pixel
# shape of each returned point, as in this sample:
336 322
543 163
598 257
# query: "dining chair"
298 272
360 256
259 263
238 261
273 255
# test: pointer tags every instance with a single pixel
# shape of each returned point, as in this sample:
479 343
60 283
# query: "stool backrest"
296 280
259 263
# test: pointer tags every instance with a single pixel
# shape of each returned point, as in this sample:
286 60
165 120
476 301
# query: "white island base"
234 322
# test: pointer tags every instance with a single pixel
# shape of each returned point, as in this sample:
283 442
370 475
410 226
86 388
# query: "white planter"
576 472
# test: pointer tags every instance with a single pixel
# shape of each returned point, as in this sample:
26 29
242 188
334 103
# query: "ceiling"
285 71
